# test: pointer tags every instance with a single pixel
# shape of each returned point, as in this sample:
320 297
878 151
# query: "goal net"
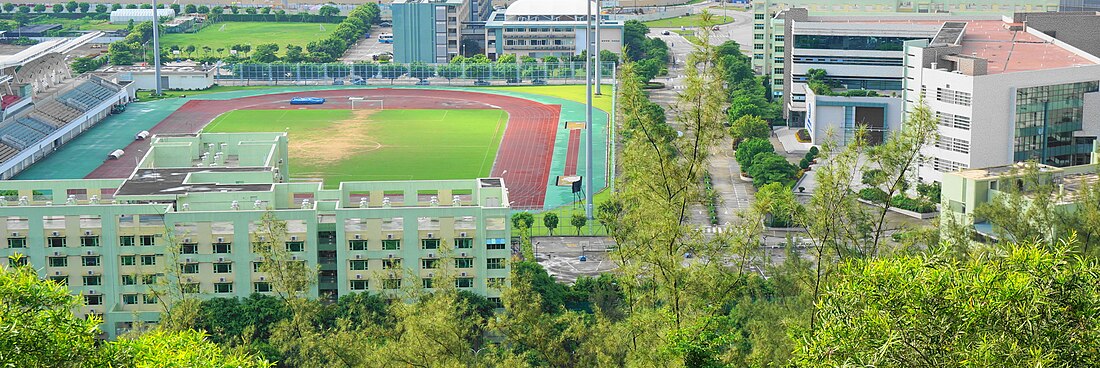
362 103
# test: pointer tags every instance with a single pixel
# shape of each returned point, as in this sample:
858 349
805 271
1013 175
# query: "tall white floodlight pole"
156 48
588 112
599 7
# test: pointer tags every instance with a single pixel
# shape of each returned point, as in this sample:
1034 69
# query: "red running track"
523 159
573 152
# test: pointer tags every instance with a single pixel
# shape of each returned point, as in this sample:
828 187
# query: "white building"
172 77
540 28
837 118
139 15
1004 92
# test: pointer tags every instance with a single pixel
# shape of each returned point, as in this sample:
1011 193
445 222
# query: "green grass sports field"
225 34
369 145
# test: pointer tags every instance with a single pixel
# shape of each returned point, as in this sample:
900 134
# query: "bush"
768 167
804 164
814 151
749 148
874 195
803 135
918 205
931 192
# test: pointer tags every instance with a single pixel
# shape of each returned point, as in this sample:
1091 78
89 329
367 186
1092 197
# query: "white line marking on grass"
489 147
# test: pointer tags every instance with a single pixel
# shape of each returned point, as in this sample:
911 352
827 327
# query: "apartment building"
1004 92
540 28
111 240
434 31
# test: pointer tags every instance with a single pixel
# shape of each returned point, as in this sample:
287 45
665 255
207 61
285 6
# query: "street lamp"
156 49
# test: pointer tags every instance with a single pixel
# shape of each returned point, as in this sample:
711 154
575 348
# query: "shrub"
803 135
804 164
918 205
931 192
814 151
749 148
874 195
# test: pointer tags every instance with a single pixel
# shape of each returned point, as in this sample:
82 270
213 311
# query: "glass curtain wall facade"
1046 118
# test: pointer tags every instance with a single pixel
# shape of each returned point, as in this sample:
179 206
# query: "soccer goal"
322 27
363 103
222 28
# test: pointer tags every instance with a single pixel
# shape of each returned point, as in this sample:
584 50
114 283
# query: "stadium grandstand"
42 105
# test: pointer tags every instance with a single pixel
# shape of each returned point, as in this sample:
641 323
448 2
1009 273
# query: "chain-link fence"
338 73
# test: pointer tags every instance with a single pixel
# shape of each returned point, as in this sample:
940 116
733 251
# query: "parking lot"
561 256
368 46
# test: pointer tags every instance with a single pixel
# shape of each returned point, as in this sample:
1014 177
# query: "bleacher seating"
60 112
86 95
8 100
37 125
20 135
7 152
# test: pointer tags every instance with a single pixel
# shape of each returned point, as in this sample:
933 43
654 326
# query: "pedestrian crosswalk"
713 230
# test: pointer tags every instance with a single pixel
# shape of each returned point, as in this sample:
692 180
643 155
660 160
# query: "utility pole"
599 7
156 48
588 113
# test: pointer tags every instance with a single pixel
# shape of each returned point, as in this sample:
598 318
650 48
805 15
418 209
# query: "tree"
421 71
190 9
116 6
175 7
24 9
189 49
293 54
9 7
749 126
86 64
70 7
578 221
38 326
550 220
328 11
768 167
160 348
40 8
1020 305
203 9
234 9
250 10
84 7
748 149
778 202
265 53
265 11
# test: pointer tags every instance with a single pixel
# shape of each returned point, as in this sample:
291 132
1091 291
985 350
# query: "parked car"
423 82
665 33
385 24
482 83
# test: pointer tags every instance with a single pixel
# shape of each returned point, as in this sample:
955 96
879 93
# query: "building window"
189 268
89 261
495 282
60 280
129 298
429 244
496 246
295 246
93 300
952 96
464 282
495 263
495 301
359 284
148 279
223 287
427 282
58 261
358 265
89 241
391 264
129 280
261 287
94 280
223 267
391 284
464 243
428 264
149 299
21 261
126 240
953 144
357 244
953 121
17 242
943 165
189 249
256 266
464 263
147 240
758 46
223 248
391 244
148 260
777 71
56 241
128 260
190 287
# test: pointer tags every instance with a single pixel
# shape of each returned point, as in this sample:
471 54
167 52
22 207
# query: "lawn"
689 35
225 34
694 20
80 24
366 145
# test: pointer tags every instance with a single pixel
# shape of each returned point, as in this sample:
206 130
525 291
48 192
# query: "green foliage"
523 220
750 126
779 203
748 149
159 348
550 220
1022 306
578 221
37 325
768 167
873 194
930 191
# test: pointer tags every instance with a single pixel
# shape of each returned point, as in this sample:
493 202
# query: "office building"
110 240
1004 92
769 40
434 31
540 28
